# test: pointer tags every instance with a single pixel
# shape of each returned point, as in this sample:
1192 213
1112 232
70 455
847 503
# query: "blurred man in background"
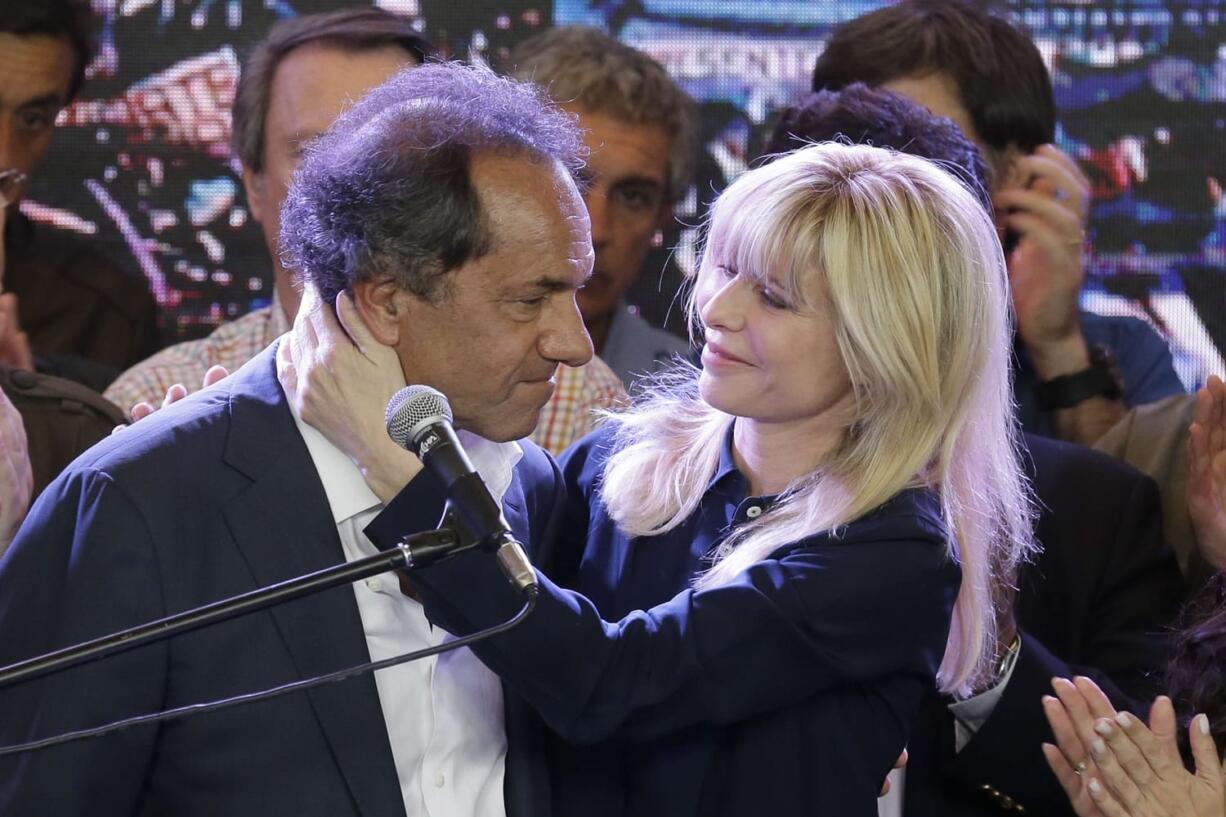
1077 371
65 310
639 128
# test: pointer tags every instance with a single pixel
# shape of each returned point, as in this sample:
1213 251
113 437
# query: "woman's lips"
716 355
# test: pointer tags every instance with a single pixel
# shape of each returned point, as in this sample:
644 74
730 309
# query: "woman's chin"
729 397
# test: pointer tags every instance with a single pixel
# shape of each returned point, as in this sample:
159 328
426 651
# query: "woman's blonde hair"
911 267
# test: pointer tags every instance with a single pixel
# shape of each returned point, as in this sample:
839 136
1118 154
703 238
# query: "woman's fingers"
1105 800
1069 778
1204 752
1068 740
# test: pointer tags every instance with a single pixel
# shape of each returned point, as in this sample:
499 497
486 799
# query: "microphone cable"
531 593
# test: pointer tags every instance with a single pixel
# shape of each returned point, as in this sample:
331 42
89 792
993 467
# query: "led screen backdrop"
142 162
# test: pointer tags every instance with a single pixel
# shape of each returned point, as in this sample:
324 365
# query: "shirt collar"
495 462
727 469
729 478
346 489
349 495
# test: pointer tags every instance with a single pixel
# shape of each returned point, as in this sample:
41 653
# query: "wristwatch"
1008 660
1067 390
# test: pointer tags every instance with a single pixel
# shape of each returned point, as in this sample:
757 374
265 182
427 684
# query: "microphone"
418 419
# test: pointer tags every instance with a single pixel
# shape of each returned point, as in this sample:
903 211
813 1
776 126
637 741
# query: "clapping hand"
1207 472
1114 765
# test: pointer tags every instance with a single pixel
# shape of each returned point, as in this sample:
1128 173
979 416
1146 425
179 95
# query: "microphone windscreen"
412 409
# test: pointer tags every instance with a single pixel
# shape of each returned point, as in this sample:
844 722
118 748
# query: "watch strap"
1066 391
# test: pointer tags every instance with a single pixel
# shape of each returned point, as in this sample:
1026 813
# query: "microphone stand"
420 548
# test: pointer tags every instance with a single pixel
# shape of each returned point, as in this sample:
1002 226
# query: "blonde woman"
775 556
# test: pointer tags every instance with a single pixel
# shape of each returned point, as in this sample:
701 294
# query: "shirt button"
440 780
753 511
374 585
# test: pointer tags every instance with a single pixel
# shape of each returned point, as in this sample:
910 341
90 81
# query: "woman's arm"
841 611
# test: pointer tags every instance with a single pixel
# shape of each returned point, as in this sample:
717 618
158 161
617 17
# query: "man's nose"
567 340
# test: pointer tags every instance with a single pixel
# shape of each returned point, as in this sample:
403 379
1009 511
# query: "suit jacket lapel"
513 508
526 784
284 528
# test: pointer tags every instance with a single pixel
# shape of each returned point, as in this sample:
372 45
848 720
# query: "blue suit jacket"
211 497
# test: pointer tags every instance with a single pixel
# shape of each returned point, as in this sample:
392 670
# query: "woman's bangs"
765 236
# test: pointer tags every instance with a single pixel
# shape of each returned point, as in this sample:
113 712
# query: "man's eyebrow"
646 181
51 100
546 284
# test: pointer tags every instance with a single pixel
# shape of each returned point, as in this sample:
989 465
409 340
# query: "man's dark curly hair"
999 74
1196 675
869 116
388 190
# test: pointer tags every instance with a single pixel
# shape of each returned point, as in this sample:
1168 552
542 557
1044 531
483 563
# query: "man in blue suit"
441 210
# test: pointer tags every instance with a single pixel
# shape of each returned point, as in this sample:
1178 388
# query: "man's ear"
253 184
383 306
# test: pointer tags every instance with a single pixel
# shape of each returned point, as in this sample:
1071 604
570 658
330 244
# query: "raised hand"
1046 205
1078 705
1207 472
1140 772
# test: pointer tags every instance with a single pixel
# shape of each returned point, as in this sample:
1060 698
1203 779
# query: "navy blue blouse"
786 691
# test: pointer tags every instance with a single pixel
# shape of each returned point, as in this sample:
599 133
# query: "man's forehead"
618 144
938 92
522 191
34 67
314 83
546 247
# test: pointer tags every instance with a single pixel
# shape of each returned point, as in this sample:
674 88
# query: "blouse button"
753 511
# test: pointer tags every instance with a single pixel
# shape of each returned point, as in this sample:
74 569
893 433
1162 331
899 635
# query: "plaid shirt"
579 394
230 345
568 415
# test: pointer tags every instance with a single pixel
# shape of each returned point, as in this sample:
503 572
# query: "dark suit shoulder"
1050 461
583 462
172 442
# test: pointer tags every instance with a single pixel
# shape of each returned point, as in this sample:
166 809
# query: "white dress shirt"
444 714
